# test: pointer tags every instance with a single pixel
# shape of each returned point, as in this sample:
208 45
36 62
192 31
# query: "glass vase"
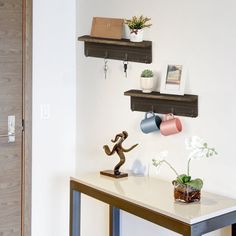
185 193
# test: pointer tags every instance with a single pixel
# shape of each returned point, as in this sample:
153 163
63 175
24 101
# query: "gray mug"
151 123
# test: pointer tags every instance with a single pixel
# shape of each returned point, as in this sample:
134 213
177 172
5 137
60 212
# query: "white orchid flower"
198 153
194 142
199 149
158 163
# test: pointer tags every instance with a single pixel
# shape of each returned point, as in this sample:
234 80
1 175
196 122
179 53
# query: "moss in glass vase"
187 189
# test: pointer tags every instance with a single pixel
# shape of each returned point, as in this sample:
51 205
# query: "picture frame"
111 28
173 79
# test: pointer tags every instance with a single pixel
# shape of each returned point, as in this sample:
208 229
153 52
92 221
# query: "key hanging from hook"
125 63
105 68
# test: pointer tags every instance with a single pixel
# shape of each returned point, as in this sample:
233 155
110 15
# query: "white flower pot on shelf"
147 84
136 35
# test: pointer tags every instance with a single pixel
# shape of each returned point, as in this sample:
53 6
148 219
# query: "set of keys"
105 68
125 63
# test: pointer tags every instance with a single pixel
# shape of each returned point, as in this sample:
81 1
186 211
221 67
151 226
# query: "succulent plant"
147 73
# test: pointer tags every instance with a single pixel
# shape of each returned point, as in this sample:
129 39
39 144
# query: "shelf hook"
146 59
105 68
106 54
153 109
126 57
86 52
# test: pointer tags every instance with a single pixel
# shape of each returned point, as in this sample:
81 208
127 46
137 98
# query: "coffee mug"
170 125
151 123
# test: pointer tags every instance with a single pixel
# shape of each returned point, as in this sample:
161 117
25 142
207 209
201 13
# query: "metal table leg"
75 199
114 218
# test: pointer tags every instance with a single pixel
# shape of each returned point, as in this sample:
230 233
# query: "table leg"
75 212
114 218
233 229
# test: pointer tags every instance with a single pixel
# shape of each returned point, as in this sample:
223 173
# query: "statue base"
111 173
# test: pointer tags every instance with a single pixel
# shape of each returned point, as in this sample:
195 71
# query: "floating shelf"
186 105
117 49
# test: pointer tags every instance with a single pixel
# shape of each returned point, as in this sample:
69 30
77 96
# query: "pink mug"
170 125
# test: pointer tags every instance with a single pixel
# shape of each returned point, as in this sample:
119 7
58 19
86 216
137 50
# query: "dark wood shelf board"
117 49
186 105
121 42
158 95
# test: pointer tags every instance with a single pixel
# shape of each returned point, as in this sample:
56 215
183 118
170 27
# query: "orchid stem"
172 168
188 166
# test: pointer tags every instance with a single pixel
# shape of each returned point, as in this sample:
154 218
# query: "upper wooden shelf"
186 105
121 49
121 42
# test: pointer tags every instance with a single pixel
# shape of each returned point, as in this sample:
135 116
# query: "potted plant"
147 81
136 25
187 189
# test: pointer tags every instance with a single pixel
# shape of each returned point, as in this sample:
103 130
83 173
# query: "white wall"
54 83
200 34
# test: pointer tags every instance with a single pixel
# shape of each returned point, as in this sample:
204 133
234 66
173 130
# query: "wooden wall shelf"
186 105
117 49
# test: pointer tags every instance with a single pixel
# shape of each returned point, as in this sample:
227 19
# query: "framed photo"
107 28
173 79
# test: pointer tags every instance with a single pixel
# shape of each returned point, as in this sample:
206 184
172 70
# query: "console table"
151 199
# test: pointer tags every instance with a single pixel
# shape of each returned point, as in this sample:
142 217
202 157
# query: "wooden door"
11 104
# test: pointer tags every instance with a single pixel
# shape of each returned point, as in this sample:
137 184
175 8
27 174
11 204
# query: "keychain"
125 63
105 68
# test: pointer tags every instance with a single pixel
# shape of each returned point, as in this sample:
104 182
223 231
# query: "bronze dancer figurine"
119 139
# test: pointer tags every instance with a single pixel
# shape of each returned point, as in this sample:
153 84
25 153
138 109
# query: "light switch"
11 129
45 111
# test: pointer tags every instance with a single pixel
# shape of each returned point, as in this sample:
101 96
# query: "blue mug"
151 123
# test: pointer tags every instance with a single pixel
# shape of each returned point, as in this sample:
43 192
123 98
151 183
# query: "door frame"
27 117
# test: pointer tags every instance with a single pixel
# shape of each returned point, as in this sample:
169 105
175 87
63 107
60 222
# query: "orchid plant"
199 149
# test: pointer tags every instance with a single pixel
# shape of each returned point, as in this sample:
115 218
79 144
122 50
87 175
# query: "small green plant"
137 22
147 73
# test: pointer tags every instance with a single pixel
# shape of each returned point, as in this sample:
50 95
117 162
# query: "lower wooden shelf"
186 105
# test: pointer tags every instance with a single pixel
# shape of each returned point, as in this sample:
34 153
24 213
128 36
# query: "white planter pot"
147 84
136 35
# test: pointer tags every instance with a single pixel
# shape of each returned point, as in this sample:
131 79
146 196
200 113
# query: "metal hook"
192 114
153 109
106 55
126 57
86 52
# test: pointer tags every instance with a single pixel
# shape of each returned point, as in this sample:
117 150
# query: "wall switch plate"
11 129
45 111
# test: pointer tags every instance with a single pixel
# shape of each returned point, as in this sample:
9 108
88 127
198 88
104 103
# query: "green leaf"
186 179
196 183
182 179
